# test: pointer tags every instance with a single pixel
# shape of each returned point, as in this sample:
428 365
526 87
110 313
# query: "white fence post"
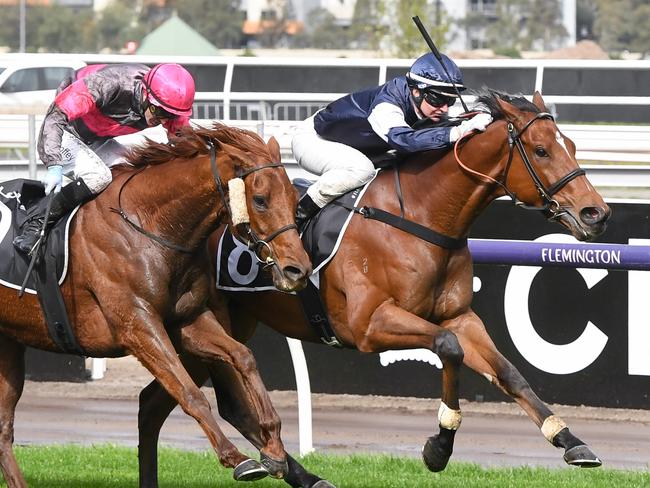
31 148
304 396
97 368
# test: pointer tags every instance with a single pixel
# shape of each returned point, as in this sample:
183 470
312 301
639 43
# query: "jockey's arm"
49 139
73 102
387 120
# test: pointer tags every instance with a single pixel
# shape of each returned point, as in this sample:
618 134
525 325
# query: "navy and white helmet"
427 74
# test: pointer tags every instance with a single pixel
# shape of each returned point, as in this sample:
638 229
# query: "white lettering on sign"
425 355
577 256
638 311
552 358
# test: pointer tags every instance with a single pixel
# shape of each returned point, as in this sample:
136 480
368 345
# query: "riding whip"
35 250
436 53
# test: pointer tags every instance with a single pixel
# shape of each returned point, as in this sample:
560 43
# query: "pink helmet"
171 87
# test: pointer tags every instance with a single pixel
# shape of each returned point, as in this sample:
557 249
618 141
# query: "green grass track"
107 466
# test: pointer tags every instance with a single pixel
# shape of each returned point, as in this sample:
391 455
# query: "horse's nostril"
293 272
592 215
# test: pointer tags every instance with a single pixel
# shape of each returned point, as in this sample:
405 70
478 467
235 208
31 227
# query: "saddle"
16 198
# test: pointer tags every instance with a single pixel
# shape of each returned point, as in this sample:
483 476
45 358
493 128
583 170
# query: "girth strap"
413 228
316 315
53 306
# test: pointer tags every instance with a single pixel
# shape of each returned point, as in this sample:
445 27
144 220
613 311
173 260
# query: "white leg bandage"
551 426
448 418
237 196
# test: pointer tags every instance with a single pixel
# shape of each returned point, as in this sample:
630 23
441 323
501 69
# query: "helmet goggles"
161 113
437 99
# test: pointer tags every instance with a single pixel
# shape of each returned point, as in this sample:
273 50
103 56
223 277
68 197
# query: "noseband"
550 207
253 241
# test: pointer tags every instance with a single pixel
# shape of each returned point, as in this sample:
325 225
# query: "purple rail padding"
532 253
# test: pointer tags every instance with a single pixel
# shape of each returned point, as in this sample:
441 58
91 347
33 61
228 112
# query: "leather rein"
550 206
252 240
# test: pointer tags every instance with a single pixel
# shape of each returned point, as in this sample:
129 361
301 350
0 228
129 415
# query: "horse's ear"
510 111
274 149
539 101
240 159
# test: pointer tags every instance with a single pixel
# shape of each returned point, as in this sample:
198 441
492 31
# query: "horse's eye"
260 202
540 152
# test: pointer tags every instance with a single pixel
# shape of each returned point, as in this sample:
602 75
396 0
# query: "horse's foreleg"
148 341
12 379
392 327
483 357
206 339
155 405
234 407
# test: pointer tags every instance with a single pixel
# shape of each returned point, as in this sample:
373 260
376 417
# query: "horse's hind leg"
392 327
483 357
12 379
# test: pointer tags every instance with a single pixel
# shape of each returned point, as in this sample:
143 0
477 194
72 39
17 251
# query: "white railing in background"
595 143
228 96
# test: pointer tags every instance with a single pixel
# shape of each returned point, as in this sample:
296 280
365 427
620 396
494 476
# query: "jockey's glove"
479 122
54 179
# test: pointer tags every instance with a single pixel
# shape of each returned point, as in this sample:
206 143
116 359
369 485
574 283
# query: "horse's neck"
452 200
177 200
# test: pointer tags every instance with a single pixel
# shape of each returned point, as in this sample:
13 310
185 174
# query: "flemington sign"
579 335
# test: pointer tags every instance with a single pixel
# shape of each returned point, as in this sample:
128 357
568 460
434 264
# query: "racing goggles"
160 113
437 99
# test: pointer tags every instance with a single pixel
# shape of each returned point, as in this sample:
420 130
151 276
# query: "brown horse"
130 292
387 289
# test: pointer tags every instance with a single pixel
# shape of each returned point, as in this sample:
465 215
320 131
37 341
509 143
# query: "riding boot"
305 211
62 202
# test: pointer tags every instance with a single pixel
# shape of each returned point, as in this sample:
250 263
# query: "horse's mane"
192 142
487 98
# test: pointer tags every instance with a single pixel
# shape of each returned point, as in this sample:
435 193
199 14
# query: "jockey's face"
432 112
155 115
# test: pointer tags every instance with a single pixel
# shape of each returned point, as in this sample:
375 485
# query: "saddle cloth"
239 270
16 197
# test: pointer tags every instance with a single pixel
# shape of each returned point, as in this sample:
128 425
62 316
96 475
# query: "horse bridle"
551 207
254 242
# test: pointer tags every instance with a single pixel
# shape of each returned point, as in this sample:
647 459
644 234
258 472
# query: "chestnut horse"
137 284
387 289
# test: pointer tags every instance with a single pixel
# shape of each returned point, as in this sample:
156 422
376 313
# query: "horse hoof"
249 470
323 484
277 469
434 456
582 456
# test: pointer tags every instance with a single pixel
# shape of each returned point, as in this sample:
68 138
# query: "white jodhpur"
341 168
79 161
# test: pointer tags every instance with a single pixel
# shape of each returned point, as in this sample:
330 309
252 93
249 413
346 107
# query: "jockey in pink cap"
97 104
